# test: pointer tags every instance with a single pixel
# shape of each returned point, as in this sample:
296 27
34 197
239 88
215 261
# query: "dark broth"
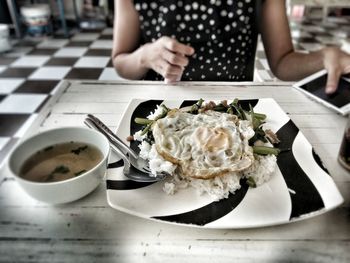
60 162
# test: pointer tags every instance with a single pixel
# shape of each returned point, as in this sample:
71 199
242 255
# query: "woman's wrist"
143 57
329 53
332 60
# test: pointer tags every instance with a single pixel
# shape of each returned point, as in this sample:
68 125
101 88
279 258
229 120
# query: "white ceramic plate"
300 188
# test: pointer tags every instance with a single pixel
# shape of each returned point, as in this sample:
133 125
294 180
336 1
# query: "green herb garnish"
195 107
148 123
265 150
251 182
79 149
142 121
147 128
220 108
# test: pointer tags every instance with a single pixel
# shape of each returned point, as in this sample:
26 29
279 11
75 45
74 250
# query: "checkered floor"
32 70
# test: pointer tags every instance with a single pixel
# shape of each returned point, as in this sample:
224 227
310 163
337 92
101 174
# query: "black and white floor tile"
30 72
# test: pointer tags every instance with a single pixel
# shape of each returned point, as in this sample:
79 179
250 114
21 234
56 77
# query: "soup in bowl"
60 165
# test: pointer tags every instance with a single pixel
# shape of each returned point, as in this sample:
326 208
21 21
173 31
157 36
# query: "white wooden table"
89 230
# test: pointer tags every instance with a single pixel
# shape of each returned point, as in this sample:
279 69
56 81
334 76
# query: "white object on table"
67 190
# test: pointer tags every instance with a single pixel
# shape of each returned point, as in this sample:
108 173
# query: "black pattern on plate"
306 198
245 103
142 111
187 103
209 212
117 164
319 161
125 185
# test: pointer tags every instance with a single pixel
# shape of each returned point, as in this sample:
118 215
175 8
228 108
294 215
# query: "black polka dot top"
223 34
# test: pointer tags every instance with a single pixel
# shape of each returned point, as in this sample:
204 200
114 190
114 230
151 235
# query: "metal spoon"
135 160
129 170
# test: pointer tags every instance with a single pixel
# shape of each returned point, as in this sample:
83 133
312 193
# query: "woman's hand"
337 63
166 56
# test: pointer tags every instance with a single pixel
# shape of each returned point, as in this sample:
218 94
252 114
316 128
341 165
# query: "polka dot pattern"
223 34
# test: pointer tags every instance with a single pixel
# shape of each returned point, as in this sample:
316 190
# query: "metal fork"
138 162
129 170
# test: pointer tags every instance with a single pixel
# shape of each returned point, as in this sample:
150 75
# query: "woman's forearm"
131 65
296 65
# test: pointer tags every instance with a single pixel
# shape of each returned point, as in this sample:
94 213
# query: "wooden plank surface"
88 230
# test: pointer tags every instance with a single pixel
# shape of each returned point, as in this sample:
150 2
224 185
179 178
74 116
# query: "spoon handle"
126 149
112 144
128 170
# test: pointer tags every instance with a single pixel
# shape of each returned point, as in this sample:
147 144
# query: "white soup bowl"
67 190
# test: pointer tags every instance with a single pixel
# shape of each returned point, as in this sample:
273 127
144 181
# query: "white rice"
138 137
219 187
156 161
261 169
145 149
158 111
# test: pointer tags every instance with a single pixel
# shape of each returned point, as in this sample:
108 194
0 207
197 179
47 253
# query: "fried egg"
205 145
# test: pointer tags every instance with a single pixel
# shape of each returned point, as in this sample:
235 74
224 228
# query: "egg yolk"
212 139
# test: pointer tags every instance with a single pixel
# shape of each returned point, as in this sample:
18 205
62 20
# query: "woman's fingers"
172 80
177 47
169 71
336 63
175 58
334 74
169 58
